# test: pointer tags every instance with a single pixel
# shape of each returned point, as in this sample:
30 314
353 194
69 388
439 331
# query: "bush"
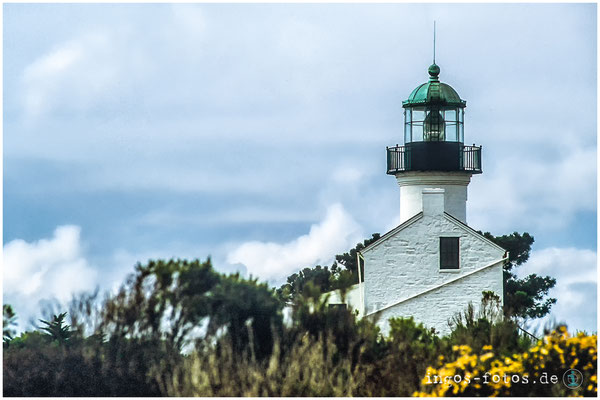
487 327
522 374
178 328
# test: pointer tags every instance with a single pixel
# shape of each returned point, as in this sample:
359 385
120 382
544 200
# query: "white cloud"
347 175
268 260
547 193
75 72
249 101
52 268
576 284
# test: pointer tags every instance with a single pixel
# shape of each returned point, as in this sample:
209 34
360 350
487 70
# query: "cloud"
189 18
269 260
547 192
75 71
347 175
576 284
52 268
286 109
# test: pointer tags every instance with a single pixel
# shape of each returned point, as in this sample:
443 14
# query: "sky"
256 135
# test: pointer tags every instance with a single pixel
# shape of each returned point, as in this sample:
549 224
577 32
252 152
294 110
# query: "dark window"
449 253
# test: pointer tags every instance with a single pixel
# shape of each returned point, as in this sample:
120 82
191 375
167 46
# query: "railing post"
401 160
388 159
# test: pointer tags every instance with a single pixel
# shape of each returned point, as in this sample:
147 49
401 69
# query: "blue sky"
256 134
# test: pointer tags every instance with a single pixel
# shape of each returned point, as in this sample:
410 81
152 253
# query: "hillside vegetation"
179 328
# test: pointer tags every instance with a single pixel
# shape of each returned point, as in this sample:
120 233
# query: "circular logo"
572 378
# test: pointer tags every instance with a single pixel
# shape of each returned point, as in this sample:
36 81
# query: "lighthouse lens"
434 127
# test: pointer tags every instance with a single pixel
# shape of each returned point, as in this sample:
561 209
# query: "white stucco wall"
353 298
455 186
405 262
436 307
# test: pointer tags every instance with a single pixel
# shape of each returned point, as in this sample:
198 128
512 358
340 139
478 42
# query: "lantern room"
434 131
434 112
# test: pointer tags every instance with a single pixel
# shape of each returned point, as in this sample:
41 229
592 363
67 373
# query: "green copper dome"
434 92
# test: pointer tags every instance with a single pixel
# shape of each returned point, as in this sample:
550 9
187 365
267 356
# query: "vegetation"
179 328
342 274
8 321
538 371
526 297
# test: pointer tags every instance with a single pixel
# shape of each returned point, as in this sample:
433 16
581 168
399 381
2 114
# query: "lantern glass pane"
450 116
451 132
418 115
417 132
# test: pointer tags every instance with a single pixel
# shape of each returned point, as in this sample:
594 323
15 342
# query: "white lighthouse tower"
432 265
434 154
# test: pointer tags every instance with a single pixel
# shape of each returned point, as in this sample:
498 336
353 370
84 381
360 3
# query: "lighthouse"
434 153
432 265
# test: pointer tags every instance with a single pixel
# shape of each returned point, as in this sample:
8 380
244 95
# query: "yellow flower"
557 349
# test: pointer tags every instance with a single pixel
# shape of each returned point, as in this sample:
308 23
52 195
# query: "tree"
177 291
249 311
348 260
342 274
9 319
523 297
56 330
318 276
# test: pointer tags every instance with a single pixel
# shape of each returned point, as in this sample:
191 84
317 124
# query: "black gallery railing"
434 156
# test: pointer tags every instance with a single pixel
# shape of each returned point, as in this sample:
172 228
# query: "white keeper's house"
433 264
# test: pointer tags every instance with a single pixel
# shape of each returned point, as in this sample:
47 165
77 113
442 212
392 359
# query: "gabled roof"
418 216
391 233
466 227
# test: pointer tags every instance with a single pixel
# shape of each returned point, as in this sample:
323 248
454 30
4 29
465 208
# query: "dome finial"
434 71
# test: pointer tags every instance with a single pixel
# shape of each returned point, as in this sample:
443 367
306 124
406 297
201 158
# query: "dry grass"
307 369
